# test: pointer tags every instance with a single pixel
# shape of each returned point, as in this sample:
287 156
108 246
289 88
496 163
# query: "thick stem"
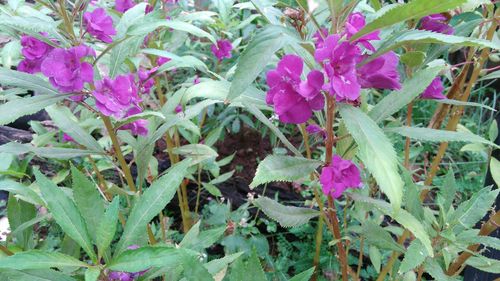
119 155
330 137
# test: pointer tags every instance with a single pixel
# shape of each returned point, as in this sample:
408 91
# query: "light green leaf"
34 275
145 258
413 58
106 229
193 269
65 212
465 103
92 273
45 152
283 168
493 131
377 236
436 271
414 256
182 62
303 276
14 109
411 89
489 76
471 211
222 178
495 170
19 212
375 257
143 28
286 216
152 201
256 56
196 152
376 152
21 190
428 134
212 189
26 81
36 259
215 266
122 51
412 10
484 264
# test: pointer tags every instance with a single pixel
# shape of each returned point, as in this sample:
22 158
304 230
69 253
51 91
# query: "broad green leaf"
411 89
402 217
413 10
268 11
65 213
193 269
471 237
92 273
215 266
448 190
303 276
413 58
66 121
436 271
24 192
256 56
427 37
14 109
18 213
182 62
283 168
196 152
34 275
143 28
145 258
471 211
376 151
377 236
45 152
375 257
493 131
286 216
428 134
414 256
495 170
222 178
36 259
129 18
106 229
484 264
152 201
26 81
254 268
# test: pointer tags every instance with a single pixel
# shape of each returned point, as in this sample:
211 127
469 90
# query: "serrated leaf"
106 228
303 276
14 109
378 236
412 10
145 258
411 89
414 256
36 259
286 216
152 201
471 211
283 168
495 170
254 59
376 152
434 135
434 269
413 58
65 212
193 269
216 265
484 264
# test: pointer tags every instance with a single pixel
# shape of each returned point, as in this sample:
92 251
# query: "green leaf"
436 271
375 258
143 28
427 37
193 269
212 189
283 168
412 10
492 75
106 229
65 120
182 62
413 58
303 276
256 56
376 152
34 275
471 211
88 200
411 89
18 213
448 190
24 192
26 81
286 216
65 213
377 236
414 256
45 152
493 131
465 103
92 273
495 170
215 266
145 258
152 201
484 264
196 152
254 268
36 259
14 109
122 51
222 178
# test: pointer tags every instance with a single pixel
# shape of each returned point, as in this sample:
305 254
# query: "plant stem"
119 155
5 250
319 235
330 137
198 193
102 182
332 211
408 141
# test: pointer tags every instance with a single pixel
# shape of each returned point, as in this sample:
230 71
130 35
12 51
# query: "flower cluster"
222 49
338 176
34 51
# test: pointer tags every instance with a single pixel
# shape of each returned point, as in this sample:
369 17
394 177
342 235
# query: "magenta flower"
29 66
148 9
66 70
115 97
436 23
34 51
338 176
196 80
178 108
146 83
314 129
356 22
434 90
293 99
126 276
123 5
138 127
381 73
319 37
222 49
339 64
162 60
99 24
67 138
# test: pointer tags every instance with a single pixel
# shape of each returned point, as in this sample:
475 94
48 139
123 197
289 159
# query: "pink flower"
436 23
196 80
34 51
355 22
434 90
162 60
66 70
293 99
146 83
381 73
138 127
123 5
178 108
115 97
339 64
222 49
29 66
338 176
319 37
67 138
99 24
148 9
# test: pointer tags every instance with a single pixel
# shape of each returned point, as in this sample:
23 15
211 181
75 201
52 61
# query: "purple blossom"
67 138
126 276
162 60
66 70
222 49
123 5
148 9
99 24
339 64
115 96
355 22
138 127
319 37
381 73
434 90
178 108
436 23
146 83
314 129
29 66
293 99
34 51
338 176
